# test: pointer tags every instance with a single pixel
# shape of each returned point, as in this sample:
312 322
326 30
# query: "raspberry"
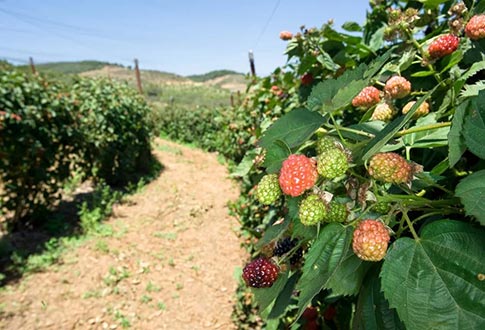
286 35
307 79
475 28
296 257
382 207
268 190
336 212
367 98
260 273
298 173
325 143
370 240
310 313
422 111
312 210
397 87
390 167
443 45
284 246
383 112
332 163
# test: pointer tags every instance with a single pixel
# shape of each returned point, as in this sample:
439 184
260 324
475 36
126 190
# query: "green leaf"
294 128
372 310
392 128
432 3
474 126
471 191
273 231
431 138
326 60
265 296
452 60
434 282
457 145
352 27
422 74
284 298
275 155
472 90
245 165
330 264
348 84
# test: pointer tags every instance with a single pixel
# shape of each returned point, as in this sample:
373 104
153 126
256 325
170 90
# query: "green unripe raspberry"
325 143
382 207
336 212
268 190
332 163
312 210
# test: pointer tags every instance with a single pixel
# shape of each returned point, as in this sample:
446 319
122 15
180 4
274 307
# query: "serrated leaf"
433 282
372 310
330 260
392 128
294 128
474 126
471 191
352 27
472 90
322 95
452 60
327 62
457 145
275 155
265 296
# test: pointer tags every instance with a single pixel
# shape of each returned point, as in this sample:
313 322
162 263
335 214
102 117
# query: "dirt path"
168 264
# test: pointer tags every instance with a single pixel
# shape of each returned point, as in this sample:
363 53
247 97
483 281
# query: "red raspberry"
397 87
307 79
286 35
367 98
390 167
370 240
443 45
298 173
310 313
260 273
475 28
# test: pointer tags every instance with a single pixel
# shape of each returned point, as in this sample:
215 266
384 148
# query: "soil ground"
168 263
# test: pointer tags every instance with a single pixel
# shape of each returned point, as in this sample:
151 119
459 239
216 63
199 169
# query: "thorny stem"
338 131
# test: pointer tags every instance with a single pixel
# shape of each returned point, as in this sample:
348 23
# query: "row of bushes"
49 130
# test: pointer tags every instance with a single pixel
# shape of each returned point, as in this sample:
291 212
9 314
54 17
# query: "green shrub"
115 130
39 134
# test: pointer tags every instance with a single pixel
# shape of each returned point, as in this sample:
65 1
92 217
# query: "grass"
212 75
151 287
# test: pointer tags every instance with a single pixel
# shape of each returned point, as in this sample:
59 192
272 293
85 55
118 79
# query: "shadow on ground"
32 247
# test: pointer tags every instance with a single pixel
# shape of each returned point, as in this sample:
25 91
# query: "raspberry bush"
394 238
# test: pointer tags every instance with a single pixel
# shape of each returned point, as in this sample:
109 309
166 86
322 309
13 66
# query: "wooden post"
238 97
232 99
32 65
251 63
138 78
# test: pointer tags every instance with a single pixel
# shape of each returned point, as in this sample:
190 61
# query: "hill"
213 75
70 67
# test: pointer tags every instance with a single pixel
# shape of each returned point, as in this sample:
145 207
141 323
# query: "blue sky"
179 36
